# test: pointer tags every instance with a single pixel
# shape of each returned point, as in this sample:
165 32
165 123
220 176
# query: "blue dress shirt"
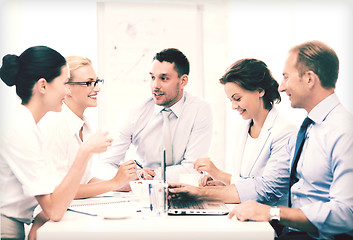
325 170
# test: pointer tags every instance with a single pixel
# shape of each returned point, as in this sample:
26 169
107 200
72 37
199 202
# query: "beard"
170 101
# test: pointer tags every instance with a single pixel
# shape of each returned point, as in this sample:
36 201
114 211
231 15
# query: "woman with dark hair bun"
262 143
39 74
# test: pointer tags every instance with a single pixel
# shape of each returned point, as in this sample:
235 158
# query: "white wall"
231 30
70 27
131 32
268 29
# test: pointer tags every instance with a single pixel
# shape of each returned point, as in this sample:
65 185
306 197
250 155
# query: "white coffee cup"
152 195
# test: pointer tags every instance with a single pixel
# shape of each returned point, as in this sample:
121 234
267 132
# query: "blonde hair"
76 62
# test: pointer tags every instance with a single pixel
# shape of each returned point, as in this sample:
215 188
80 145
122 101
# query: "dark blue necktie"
298 150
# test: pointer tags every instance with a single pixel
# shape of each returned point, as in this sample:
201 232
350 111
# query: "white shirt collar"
75 123
323 108
177 108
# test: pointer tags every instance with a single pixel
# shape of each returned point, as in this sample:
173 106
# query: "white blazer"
267 177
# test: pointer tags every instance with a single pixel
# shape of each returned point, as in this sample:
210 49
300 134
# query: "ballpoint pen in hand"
138 174
138 164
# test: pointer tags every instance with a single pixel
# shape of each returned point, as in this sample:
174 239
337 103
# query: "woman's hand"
207 180
98 142
125 174
206 165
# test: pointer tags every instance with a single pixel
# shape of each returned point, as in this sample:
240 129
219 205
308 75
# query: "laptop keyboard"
183 203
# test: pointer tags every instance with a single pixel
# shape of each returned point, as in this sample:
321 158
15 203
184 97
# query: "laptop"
189 206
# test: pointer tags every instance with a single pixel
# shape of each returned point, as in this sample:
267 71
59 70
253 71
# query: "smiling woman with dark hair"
262 142
40 75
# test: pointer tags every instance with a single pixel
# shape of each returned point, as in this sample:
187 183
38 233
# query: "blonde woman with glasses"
66 131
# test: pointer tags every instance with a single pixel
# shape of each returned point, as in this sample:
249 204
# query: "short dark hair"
173 55
33 64
318 57
253 75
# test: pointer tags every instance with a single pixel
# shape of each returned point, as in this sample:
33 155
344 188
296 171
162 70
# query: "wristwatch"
275 213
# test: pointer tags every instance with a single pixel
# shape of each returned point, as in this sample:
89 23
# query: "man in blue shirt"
321 199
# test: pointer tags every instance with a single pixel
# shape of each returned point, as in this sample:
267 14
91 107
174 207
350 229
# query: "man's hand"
251 210
180 190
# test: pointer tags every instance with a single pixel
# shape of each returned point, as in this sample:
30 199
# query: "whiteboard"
129 35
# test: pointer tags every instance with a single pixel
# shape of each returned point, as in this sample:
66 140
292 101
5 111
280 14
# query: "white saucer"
118 214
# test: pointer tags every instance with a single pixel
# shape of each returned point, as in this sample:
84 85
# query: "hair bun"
9 69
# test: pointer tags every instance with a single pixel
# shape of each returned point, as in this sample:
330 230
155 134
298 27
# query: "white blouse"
247 160
61 134
23 171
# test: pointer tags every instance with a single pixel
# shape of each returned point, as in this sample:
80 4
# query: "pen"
89 214
138 164
139 175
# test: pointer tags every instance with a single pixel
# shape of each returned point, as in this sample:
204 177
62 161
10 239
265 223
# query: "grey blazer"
267 177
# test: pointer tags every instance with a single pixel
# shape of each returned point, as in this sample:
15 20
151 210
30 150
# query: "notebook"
189 206
117 205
